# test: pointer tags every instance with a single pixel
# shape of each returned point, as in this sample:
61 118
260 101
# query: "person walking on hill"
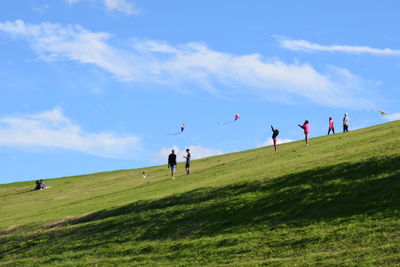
306 128
275 133
346 121
331 126
172 163
187 157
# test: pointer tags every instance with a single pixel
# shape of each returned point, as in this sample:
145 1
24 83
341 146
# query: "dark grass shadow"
327 193
369 188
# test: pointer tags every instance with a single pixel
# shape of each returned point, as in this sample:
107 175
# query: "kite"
182 129
237 116
383 113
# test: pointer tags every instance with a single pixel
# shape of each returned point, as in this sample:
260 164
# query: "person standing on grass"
331 126
275 133
346 121
187 157
172 163
306 128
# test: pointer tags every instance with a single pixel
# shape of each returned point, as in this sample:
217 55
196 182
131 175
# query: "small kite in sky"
383 113
237 116
177 133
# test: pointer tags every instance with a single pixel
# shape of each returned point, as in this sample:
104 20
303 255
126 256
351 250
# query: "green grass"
335 202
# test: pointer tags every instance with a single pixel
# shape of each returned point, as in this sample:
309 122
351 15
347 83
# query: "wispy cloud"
196 152
53 41
306 46
51 129
40 9
123 6
225 73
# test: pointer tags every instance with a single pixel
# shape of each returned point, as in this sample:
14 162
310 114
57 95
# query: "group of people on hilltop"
306 128
172 163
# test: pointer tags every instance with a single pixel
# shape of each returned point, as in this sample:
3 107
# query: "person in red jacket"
331 126
306 128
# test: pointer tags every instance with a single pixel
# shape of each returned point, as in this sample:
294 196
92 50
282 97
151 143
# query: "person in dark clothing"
37 187
172 163
346 121
40 185
187 157
275 133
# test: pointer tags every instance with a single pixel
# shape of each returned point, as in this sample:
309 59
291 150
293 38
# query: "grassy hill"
336 202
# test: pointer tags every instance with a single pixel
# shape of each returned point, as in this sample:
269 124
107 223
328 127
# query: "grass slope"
335 202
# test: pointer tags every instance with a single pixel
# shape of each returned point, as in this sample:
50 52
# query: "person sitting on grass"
37 187
40 185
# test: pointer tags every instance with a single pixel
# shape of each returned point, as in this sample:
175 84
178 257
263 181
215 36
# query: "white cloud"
269 141
53 41
393 117
123 6
196 152
40 9
306 46
225 73
52 129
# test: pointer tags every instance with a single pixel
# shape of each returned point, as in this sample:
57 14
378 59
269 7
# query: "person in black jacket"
172 163
275 133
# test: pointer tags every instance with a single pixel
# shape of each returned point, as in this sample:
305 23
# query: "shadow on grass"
320 194
369 188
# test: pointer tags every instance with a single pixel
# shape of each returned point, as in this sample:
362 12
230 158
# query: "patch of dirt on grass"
9 229
64 221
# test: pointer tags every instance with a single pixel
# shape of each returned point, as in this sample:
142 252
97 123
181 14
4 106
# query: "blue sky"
96 85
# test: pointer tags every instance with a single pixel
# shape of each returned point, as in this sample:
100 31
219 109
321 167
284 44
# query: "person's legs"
333 130
307 139
187 167
173 168
275 145
329 130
